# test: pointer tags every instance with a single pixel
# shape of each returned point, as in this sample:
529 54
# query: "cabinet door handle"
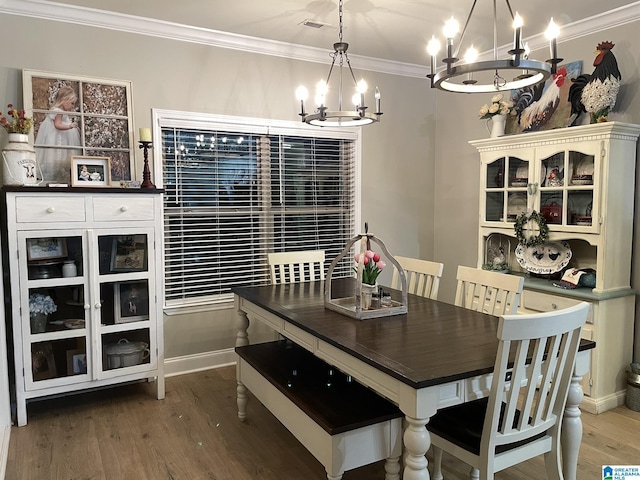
51 210
98 305
87 306
124 208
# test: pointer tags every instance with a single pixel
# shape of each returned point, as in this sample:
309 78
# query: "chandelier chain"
340 18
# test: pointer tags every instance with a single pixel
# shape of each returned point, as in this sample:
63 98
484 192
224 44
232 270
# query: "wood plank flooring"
194 433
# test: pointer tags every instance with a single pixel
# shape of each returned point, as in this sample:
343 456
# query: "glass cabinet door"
505 184
54 314
567 190
125 298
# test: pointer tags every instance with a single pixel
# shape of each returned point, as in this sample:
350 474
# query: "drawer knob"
98 305
124 208
554 306
51 210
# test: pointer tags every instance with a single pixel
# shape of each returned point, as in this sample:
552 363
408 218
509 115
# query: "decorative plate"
73 324
584 167
517 204
545 259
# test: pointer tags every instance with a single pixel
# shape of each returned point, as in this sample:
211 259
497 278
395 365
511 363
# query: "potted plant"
40 307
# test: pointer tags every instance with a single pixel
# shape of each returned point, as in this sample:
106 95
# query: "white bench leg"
392 468
334 477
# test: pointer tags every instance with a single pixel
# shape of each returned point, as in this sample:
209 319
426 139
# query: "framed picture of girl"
76 115
90 171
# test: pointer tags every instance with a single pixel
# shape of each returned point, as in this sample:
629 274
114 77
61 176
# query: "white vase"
498 123
19 165
367 295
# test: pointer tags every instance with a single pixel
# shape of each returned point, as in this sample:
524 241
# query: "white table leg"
571 433
416 443
242 338
392 468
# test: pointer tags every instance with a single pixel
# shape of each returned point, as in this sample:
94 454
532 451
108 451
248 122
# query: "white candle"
145 135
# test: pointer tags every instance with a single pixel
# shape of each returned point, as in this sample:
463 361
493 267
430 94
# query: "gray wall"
398 153
419 194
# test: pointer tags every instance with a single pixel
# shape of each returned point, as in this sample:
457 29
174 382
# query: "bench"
342 423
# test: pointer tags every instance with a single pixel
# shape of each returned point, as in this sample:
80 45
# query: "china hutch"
89 259
581 180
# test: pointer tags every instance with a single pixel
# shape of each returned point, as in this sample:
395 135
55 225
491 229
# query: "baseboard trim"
602 404
198 362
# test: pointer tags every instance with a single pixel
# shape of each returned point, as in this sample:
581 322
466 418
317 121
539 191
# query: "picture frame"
100 122
76 362
43 364
129 253
45 249
131 301
90 171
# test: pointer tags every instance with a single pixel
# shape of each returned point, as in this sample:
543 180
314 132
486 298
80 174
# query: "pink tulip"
381 265
369 254
376 257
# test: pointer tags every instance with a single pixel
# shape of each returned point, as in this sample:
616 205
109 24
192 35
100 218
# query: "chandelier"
459 77
339 118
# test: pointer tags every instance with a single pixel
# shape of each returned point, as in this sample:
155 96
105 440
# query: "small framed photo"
129 253
131 301
90 171
43 364
76 362
49 248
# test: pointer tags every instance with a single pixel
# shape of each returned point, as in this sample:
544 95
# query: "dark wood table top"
432 344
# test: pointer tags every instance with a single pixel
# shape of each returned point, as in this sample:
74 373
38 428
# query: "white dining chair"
488 292
522 416
423 276
296 266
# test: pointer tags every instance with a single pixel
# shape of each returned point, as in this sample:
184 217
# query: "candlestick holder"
146 173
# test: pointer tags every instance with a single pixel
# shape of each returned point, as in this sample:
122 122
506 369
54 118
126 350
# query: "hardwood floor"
194 433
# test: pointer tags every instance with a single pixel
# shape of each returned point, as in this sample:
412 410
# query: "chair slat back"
488 292
298 266
532 375
423 276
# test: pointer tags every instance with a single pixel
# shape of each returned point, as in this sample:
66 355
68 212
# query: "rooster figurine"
596 93
532 117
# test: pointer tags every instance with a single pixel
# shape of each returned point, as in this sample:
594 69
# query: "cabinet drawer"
108 209
545 302
43 209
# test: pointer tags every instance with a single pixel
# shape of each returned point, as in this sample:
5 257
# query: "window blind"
233 195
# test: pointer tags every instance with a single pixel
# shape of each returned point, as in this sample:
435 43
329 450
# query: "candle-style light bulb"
356 100
321 92
451 28
551 34
517 31
361 88
433 48
302 94
471 54
377 97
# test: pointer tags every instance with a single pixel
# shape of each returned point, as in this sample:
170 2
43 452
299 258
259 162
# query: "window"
237 191
96 120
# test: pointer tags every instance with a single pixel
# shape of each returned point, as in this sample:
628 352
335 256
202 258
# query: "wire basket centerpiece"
360 305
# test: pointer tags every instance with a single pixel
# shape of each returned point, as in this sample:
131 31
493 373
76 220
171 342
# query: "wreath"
532 241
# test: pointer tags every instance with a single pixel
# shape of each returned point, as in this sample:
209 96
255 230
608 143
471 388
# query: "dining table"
433 356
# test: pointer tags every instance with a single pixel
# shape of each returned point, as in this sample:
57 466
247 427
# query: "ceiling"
395 30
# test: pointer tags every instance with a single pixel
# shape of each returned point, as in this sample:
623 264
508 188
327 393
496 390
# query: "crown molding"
59 12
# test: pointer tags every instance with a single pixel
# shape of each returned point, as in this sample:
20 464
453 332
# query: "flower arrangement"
17 121
373 266
498 106
39 303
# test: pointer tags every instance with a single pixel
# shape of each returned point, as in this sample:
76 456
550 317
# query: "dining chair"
522 416
423 276
296 266
488 292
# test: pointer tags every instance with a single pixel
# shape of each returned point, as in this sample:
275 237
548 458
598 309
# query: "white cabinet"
107 323
582 180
